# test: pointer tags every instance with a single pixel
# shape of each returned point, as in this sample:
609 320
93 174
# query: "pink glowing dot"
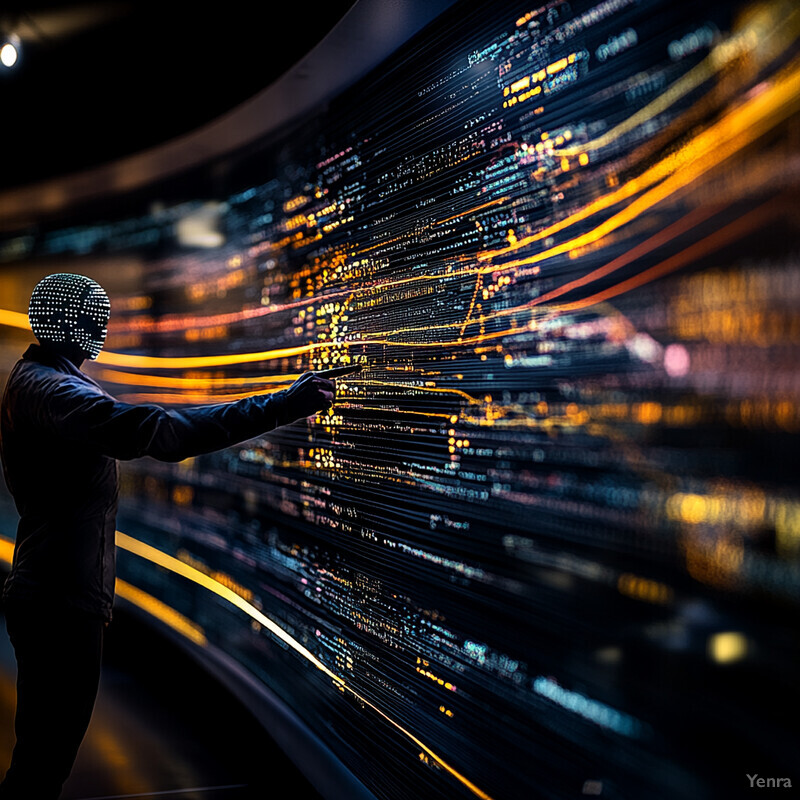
676 360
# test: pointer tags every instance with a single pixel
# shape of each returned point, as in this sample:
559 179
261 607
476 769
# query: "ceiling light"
9 51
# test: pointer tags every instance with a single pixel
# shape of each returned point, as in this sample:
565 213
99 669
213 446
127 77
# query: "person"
61 435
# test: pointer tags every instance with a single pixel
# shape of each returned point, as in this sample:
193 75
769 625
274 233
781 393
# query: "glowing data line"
158 557
358 407
426 389
469 211
161 611
678 228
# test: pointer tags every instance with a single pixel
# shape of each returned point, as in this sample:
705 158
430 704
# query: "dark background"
97 81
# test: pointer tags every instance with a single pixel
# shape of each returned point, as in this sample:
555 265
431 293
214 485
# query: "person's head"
70 314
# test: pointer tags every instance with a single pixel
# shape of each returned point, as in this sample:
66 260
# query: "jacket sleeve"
85 414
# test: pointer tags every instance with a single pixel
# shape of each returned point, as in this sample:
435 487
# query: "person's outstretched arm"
83 413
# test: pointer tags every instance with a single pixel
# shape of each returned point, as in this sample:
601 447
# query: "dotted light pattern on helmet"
70 309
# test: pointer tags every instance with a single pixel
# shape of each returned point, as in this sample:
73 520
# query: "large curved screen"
546 543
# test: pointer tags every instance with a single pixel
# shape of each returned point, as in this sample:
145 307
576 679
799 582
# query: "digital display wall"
546 543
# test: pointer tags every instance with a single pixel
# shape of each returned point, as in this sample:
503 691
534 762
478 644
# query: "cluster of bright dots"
73 309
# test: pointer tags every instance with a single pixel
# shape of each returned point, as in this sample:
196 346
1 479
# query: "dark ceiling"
97 81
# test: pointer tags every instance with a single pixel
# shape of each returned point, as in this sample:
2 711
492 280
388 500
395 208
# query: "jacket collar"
43 355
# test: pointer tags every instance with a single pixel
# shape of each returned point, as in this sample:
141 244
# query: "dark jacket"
60 437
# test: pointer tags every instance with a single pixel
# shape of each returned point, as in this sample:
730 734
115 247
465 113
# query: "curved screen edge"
307 751
369 32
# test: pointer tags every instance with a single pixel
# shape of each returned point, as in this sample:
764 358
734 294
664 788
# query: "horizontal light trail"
185 322
190 398
687 83
168 792
358 407
170 382
186 362
471 211
14 319
734 230
664 236
158 557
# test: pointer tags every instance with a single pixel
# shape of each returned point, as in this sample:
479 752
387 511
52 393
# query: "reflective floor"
162 728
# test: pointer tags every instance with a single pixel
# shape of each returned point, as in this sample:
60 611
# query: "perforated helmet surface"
70 309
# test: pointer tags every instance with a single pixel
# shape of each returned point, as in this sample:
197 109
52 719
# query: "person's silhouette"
61 435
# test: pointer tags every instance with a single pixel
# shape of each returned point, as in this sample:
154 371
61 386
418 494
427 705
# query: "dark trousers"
58 672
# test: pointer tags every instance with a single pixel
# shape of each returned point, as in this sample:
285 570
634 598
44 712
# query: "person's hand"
309 394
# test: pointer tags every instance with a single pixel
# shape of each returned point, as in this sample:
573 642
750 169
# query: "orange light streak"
662 237
734 230
169 382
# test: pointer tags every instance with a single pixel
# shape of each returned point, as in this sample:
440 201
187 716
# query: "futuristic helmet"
70 309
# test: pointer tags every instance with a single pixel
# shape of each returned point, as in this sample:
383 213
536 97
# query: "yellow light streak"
161 611
14 319
172 564
186 362
718 59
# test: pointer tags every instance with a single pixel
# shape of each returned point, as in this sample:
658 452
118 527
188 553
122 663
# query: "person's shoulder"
42 378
